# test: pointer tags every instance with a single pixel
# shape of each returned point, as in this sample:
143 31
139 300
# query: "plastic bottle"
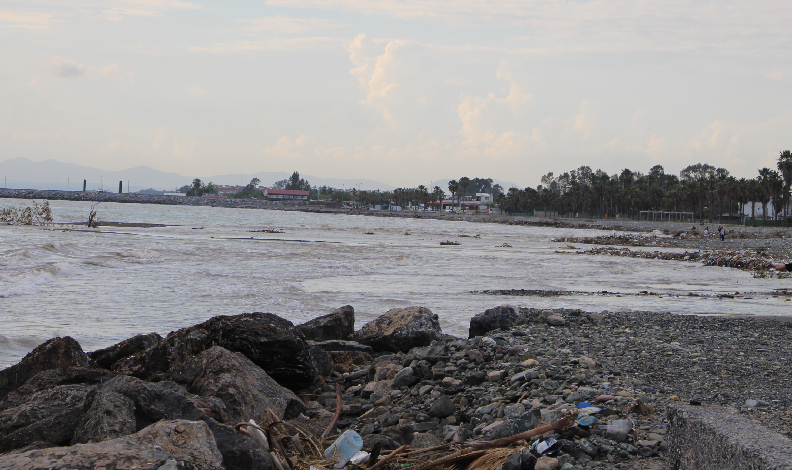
348 444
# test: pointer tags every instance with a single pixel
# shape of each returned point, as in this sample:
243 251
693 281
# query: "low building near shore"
285 194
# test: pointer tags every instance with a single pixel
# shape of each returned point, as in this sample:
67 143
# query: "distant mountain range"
21 173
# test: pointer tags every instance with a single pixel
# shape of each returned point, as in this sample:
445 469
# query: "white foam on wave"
29 281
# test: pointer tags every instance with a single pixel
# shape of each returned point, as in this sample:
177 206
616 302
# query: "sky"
404 92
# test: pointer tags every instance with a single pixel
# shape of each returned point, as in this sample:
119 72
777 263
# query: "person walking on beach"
706 233
722 233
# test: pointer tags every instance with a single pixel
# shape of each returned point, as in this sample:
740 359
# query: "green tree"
785 167
297 183
453 188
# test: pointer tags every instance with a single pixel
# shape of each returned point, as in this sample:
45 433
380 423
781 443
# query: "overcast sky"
403 92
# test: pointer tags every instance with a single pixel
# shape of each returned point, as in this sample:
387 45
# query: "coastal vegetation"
198 188
710 193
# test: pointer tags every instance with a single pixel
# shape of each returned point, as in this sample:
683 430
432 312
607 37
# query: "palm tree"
439 195
464 182
785 167
453 188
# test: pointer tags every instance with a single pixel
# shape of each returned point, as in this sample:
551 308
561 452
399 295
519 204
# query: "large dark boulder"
108 356
271 342
400 329
154 403
110 415
48 379
119 454
498 318
244 389
340 324
57 353
50 416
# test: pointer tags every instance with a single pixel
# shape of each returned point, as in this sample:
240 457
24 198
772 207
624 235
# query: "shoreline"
524 368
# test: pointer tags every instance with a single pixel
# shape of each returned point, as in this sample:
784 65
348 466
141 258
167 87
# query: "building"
285 194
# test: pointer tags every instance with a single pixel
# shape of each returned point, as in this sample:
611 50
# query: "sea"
103 285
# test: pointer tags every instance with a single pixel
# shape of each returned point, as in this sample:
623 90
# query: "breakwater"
142 198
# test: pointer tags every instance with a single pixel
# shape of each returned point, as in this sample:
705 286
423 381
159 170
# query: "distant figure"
706 233
722 233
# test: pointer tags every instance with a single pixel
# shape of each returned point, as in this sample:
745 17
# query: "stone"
382 387
119 454
50 416
338 325
405 378
496 375
109 416
546 463
56 353
442 407
588 447
191 439
51 378
154 403
501 317
513 462
424 440
587 362
400 329
108 356
514 411
556 320
271 342
756 403
347 361
596 317
246 391
343 345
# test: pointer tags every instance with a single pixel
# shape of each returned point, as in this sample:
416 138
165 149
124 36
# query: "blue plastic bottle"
347 445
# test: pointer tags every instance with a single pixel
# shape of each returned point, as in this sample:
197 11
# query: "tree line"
702 189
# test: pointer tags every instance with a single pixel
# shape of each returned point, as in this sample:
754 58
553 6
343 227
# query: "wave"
31 280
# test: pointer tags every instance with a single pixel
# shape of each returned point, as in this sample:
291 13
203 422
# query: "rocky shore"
578 389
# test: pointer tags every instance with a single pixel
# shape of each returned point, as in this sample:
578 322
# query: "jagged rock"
107 356
424 440
191 439
322 361
400 329
48 379
109 416
57 353
346 361
337 325
271 342
118 454
501 317
246 391
49 415
154 403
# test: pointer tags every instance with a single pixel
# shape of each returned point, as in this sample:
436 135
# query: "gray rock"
49 415
57 353
191 439
405 378
423 440
246 391
343 345
338 325
588 447
401 329
442 407
108 356
271 342
501 317
110 415
119 454
556 320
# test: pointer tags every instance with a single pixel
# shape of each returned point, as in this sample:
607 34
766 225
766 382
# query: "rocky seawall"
137 198
529 389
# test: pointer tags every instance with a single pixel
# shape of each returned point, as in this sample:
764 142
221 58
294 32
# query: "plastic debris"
359 458
344 448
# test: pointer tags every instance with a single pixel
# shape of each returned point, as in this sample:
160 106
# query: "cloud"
274 44
183 148
376 74
606 25
286 25
287 149
26 19
112 146
64 68
139 8
584 122
159 137
196 91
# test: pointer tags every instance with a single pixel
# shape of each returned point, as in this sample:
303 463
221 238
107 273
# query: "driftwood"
339 405
387 459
